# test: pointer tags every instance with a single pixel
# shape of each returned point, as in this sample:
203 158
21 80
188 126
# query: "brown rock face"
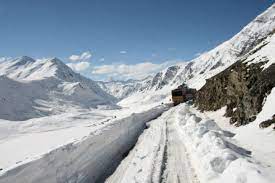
268 123
241 87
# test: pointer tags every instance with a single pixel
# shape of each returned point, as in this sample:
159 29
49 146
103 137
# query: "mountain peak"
26 58
55 60
23 60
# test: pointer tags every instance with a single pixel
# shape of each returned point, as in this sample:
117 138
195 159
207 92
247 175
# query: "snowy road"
180 147
178 167
159 156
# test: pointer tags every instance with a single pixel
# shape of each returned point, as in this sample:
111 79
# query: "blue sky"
124 33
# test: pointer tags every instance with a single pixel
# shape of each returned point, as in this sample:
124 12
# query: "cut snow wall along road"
91 160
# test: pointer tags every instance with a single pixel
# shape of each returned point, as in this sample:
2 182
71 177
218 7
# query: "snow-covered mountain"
122 89
196 71
242 87
31 88
210 63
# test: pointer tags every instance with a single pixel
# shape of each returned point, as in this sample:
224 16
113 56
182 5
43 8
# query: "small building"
182 94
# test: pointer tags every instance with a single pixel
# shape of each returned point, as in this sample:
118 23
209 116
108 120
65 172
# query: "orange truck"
182 94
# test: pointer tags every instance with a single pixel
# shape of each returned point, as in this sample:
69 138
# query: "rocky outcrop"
268 123
242 88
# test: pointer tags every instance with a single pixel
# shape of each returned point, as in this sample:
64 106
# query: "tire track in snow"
158 157
164 157
178 166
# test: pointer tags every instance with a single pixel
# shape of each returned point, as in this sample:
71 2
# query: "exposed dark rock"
202 72
241 87
218 64
189 66
268 123
161 79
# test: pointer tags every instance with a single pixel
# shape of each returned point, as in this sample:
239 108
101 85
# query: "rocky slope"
31 88
242 87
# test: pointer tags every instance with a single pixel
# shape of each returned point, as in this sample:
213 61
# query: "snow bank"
89 160
267 110
214 156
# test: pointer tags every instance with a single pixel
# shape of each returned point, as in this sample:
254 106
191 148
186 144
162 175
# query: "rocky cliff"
242 87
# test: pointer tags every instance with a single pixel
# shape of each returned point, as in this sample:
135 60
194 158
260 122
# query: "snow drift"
215 157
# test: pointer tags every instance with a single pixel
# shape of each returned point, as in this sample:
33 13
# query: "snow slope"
260 141
263 52
32 88
214 61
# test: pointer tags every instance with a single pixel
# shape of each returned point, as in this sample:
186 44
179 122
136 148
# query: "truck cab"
182 94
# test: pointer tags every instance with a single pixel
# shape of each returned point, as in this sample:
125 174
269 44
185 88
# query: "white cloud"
80 66
85 56
123 52
102 59
135 71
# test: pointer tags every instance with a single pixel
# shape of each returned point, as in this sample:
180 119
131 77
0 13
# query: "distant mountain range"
32 88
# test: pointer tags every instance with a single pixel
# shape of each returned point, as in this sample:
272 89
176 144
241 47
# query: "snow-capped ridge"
123 89
195 72
23 60
46 86
214 61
